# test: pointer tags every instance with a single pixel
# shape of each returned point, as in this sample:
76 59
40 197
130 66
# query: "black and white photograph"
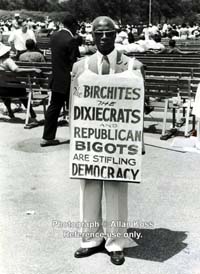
100 136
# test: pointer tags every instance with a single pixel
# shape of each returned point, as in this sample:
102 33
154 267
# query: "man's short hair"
22 22
69 20
30 44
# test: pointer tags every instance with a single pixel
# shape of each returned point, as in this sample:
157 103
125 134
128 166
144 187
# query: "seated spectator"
123 35
32 54
184 31
173 32
130 48
173 49
118 39
131 38
142 42
195 33
6 63
155 44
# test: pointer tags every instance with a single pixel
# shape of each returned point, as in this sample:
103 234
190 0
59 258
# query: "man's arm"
11 37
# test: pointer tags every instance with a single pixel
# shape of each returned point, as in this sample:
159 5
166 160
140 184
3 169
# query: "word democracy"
104 172
114 93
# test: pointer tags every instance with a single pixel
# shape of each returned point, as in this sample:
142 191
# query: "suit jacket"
64 50
121 64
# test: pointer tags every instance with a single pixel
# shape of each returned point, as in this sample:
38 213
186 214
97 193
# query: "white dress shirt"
112 60
18 37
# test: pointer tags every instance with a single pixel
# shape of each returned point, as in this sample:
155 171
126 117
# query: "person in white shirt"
19 36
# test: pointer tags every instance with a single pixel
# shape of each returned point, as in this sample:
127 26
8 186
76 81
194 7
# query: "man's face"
104 35
24 27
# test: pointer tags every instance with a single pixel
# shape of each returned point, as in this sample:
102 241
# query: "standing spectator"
32 54
15 21
64 48
19 37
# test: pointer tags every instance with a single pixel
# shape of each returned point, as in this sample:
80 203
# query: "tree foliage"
124 11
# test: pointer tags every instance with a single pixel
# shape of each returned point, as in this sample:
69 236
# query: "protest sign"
107 127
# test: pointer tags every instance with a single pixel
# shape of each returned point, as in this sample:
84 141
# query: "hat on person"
4 49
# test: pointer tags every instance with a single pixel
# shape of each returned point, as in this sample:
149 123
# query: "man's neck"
106 52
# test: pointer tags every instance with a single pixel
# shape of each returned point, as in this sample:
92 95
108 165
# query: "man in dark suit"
64 50
116 193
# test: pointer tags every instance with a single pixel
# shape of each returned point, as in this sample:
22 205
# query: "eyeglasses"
107 33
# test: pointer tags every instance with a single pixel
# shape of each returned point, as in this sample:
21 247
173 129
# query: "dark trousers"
51 118
11 92
7 103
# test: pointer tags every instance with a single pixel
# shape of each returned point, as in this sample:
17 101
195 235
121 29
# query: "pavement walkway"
38 203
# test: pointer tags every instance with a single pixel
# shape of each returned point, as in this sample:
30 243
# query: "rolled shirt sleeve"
10 65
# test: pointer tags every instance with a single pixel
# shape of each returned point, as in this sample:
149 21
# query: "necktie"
105 65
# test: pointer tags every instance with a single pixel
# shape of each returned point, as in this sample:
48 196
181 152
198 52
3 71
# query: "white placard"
107 128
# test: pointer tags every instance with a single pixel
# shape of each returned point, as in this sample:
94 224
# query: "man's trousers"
116 194
51 118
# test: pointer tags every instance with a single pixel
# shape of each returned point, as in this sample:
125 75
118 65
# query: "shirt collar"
111 56
68 31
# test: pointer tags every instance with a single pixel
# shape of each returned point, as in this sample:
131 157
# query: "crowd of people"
22 35
129 38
